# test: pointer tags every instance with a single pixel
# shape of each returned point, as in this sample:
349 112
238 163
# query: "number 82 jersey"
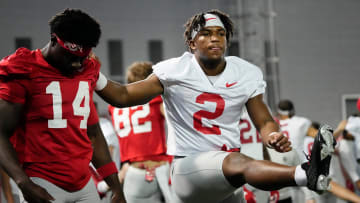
141 130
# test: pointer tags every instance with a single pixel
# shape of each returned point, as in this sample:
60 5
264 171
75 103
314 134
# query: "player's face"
65 61
210 43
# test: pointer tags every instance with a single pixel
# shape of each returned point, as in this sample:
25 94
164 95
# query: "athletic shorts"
87 194
139 190
199 178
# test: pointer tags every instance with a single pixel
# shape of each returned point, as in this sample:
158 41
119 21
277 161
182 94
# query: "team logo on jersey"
230 84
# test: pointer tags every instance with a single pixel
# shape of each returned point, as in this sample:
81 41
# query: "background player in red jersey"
47 110
141 131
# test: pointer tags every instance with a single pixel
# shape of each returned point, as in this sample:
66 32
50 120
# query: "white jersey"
343 163
111 139
295 128
347 157
353 127
251 143
202 116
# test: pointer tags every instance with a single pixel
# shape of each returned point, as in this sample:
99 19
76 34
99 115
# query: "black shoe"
317 168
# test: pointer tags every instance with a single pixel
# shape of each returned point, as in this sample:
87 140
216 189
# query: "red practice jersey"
141 131
51 142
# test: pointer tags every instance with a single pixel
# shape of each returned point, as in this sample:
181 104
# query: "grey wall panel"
318 41
134 22
319 47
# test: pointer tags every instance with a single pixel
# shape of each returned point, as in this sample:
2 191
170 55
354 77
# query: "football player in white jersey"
295 127
204 93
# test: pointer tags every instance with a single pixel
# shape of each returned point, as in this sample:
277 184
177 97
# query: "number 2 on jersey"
220 105
82 94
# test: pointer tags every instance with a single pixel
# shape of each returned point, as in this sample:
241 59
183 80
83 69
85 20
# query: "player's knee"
234 167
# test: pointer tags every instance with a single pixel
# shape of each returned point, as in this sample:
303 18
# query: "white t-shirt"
296 129
202 116
111 139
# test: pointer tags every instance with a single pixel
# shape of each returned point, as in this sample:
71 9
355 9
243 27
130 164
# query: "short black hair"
197 22
315 125
287 105
74 25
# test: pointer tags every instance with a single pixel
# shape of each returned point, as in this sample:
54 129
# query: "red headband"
73 48
358 104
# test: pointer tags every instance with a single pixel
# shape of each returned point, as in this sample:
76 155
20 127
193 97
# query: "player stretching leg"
204 93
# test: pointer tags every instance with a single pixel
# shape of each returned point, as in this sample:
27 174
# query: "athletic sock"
300 176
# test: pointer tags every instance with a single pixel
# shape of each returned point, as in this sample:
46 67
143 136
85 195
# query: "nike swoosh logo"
230 84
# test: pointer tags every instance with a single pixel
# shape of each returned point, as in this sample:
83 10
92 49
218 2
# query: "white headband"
210 20
283 112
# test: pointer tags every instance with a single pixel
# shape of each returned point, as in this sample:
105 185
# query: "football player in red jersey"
49 129
141 131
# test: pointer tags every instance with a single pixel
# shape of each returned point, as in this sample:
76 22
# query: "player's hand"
33 193
279 142
118 197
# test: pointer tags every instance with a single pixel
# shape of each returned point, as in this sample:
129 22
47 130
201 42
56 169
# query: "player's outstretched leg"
239 169
317 168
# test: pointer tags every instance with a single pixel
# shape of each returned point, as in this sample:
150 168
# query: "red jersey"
51 142
141 131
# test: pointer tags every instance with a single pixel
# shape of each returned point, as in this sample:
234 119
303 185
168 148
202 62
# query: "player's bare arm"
9 118
101 157
340 128
6 187
268 128
132 94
